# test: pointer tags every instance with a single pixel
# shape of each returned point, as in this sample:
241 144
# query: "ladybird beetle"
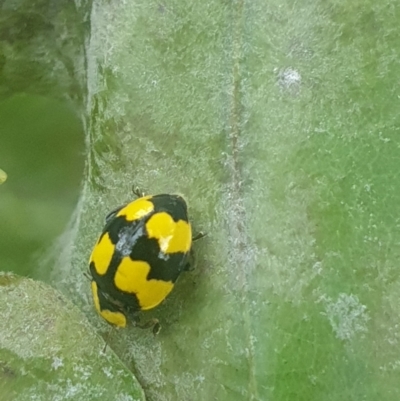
144 247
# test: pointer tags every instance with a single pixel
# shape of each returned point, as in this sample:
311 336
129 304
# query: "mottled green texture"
41 59
48 351
41 47
278 121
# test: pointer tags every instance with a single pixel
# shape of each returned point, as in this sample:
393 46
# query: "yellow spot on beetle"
131 277
137 209
115 318
102 254
172 236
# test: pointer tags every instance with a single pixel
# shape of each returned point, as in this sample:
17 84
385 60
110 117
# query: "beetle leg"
137 191
198 236
113 212
154 323
190 264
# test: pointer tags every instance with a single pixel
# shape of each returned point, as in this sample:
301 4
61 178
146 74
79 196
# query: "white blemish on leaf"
57 363
107 372
346 315
289 78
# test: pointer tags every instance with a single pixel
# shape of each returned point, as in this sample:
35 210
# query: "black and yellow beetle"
144 247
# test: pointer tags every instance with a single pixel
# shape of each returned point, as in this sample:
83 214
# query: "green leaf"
278 121
41 48
48 351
